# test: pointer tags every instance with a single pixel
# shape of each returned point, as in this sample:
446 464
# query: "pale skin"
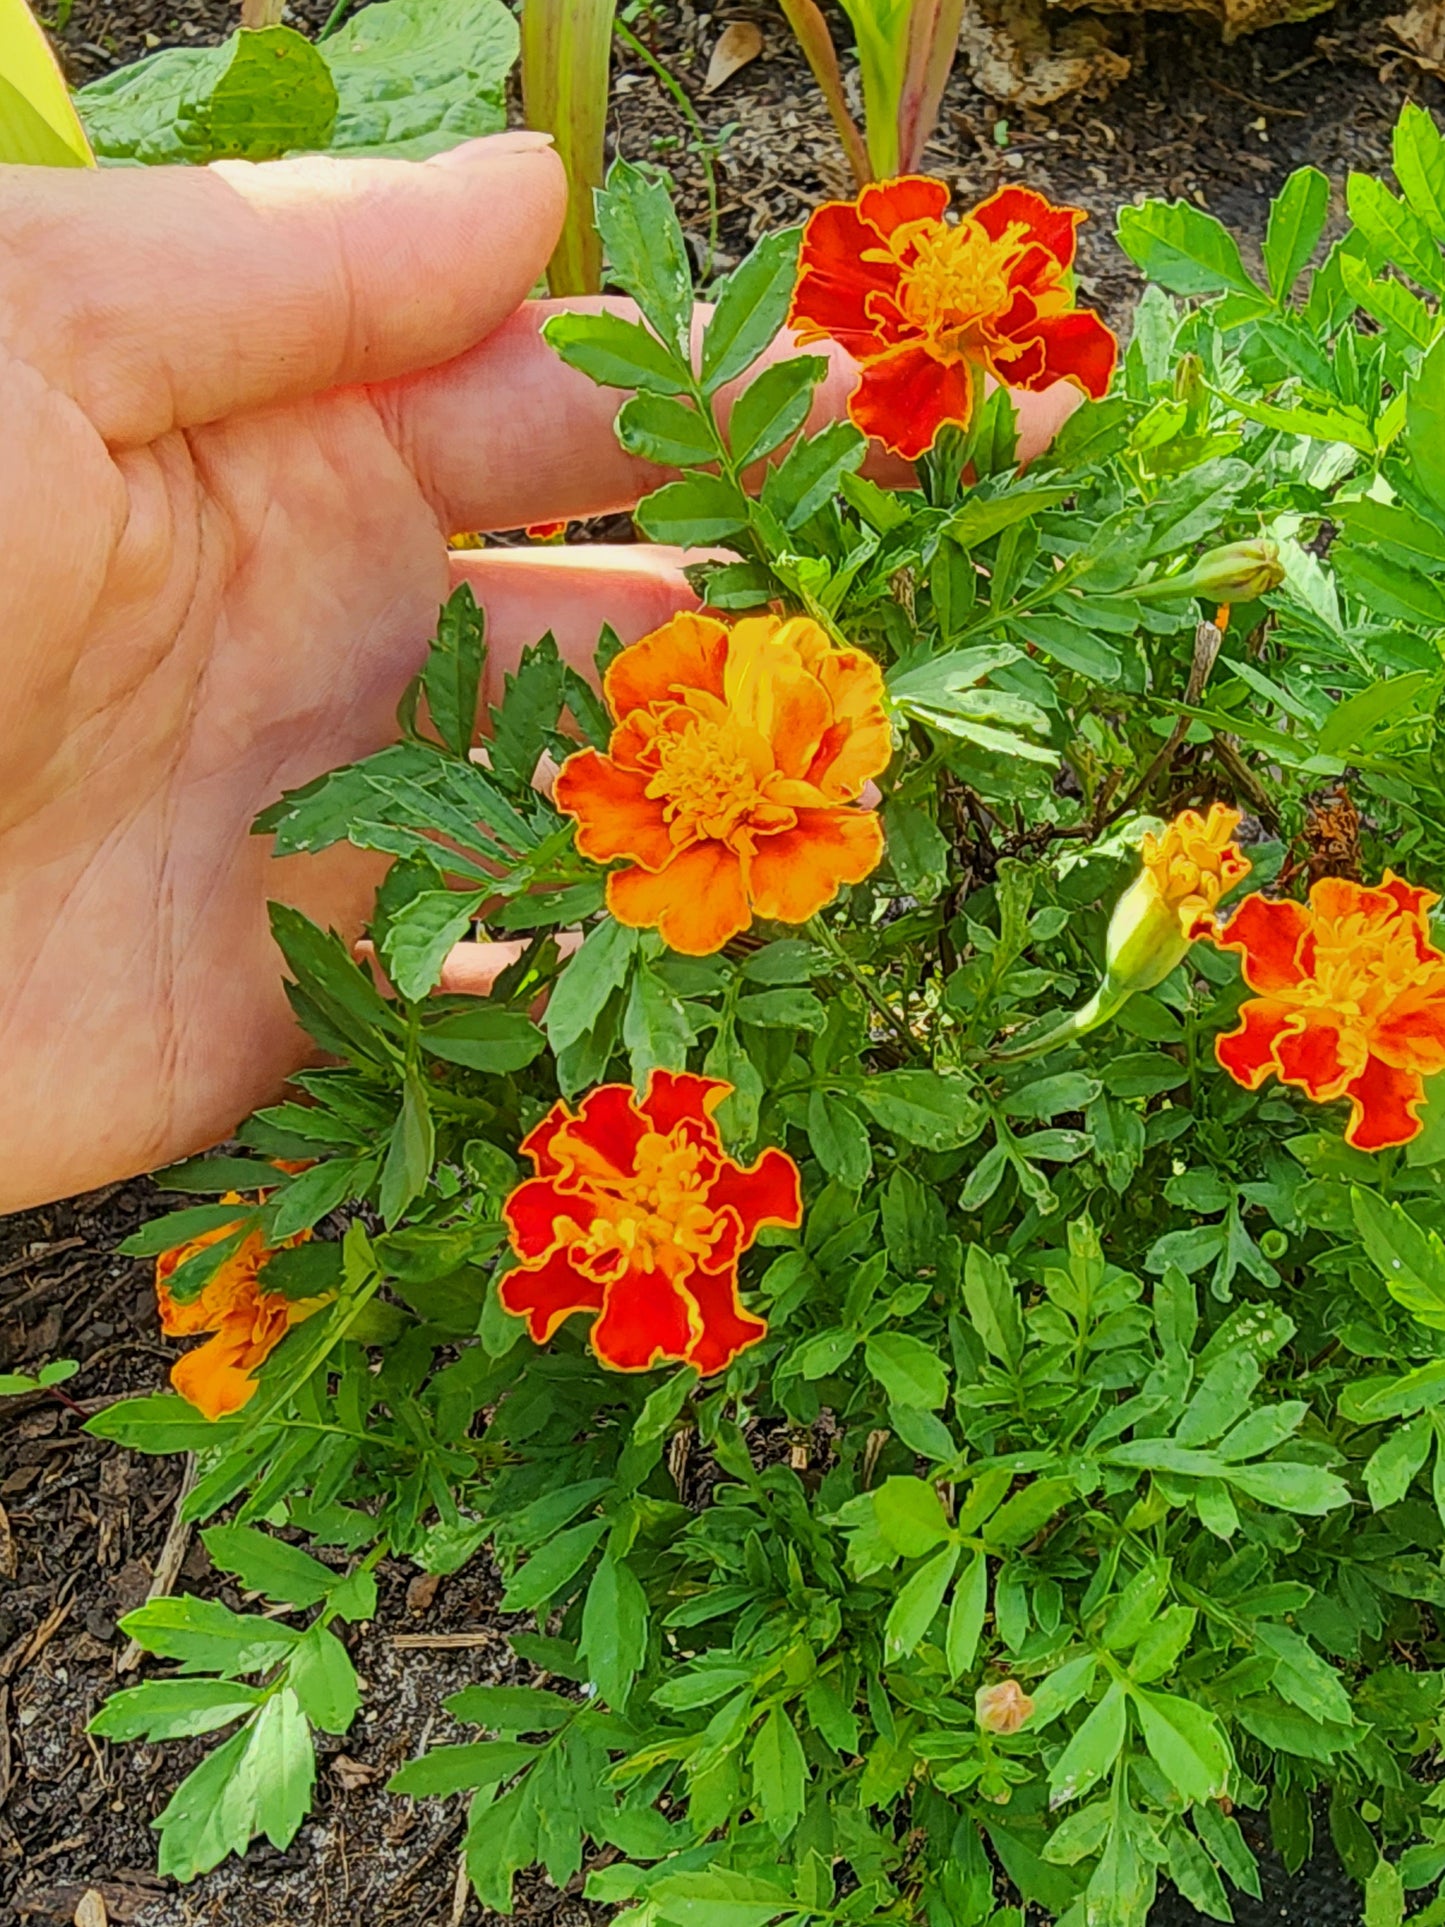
244 408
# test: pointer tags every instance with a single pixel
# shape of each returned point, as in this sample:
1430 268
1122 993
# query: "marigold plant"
956 1422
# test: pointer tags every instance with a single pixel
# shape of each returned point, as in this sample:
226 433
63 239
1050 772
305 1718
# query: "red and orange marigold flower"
1350 1002
731 777
928 307
638 1217
246 1321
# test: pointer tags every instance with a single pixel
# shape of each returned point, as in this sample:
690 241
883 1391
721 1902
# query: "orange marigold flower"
927 306
546 531
638 1217
1171 903
1350 1003
731 777
247 1321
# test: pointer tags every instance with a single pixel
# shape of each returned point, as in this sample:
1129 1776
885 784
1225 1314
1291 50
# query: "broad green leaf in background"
38 123
1296 221
404 78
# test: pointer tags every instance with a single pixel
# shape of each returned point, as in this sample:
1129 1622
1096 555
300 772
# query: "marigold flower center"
704 781
958 280
1360 967
659 1207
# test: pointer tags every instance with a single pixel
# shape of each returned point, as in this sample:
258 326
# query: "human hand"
224 504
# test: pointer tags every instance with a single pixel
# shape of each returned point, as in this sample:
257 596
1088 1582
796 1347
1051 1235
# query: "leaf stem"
821 934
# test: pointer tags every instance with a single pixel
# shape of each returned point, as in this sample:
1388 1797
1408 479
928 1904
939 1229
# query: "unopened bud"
1238 572
1002 1708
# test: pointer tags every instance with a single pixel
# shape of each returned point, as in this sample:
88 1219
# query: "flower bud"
1003 1707
1238 572
1172 900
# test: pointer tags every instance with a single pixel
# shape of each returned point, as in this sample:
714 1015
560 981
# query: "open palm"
243 408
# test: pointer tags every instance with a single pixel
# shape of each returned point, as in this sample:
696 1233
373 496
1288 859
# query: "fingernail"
517 140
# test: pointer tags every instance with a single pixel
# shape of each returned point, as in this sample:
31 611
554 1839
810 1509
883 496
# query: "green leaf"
593 973
551 1567
1291 1486
662 429
284 1766
1027 1512
284 1574
839 1139
1186 1743
966 1617
1296 221
483 1037
262 93
212 1813
773 407
910 1516
716 1898
655 1027
180 1227
452 678
918 1604
324 1680
932 1108
1384 1896
614 1630
414 77
917 850
1183 249
615 353
1301 1676
751 307
1419 158
409 1151
1411 1261
206 1637
161 1423
174 1709
693 513
1092 1751
810 473
784 1009
511 1709
992 1304
646 254
456 1769
1391 1468
1425 424
909 1371
1394 231
780 1773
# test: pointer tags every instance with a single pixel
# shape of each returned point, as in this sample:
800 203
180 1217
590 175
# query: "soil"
81 1524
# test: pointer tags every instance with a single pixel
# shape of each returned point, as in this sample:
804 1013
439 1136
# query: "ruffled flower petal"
1053 228
615 815
1385 1106
1319 1056
697 903
1248 1052
725 1327
794 874
689 652
1271 935
905 396
548 1293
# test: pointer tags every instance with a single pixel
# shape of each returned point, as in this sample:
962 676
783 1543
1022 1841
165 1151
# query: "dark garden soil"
83 1526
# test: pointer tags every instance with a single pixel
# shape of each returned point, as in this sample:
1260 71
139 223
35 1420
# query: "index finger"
507 434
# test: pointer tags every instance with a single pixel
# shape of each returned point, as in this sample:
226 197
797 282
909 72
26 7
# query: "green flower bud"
1239 572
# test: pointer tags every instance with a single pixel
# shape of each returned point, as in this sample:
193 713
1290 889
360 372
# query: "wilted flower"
246 1321
928 307
1350 1003
1003 1707
638 1217
731 777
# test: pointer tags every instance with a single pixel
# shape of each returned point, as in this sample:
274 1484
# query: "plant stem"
334 19
820 933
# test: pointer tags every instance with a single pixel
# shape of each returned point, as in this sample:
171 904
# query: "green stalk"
566 78
820 933
933 34
805 18
881 33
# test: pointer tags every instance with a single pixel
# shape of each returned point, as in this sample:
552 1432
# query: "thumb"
166 297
